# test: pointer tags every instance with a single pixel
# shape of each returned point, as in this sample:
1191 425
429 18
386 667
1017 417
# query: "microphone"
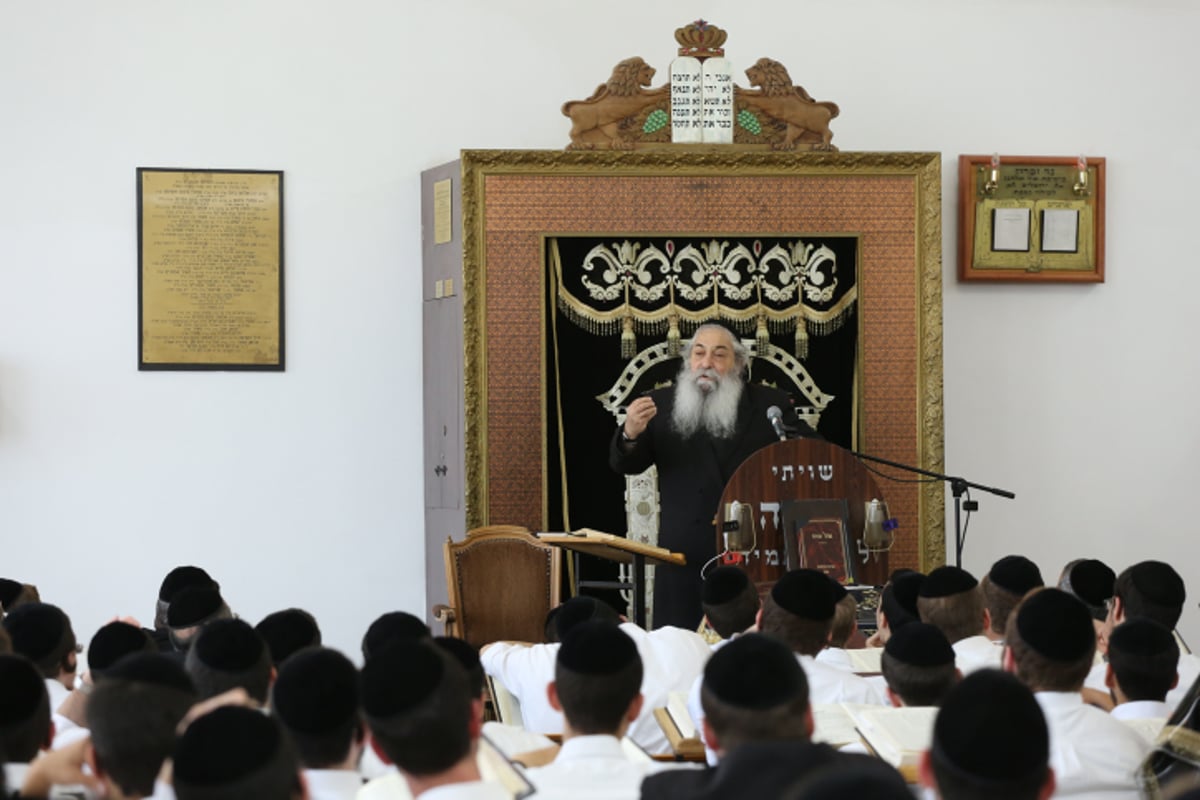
775 417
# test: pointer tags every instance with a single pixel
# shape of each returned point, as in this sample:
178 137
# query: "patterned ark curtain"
617 311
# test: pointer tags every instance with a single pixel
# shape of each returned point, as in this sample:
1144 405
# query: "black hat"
806 593
899 598
596 648
158 669
228 645
9 591
947 581
583 609
193 605
1092 582
183 578
723 584
1016 574
22 690
921 645
233 751
36 629
402 675
991 728
393 626
113 642
1056 625
1159 583
288 631
756 672
316 692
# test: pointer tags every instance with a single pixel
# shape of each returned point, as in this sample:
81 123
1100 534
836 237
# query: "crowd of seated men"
1015 689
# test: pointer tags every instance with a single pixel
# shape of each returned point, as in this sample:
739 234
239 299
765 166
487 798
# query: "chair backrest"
502 581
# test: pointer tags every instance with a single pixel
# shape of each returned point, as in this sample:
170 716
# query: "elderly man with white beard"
697 433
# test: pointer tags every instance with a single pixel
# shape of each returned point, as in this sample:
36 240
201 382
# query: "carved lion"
805 118
597 121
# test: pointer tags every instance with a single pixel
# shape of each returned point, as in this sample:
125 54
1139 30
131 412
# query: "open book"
677 724
897 735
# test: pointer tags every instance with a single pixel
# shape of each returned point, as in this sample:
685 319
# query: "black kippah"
1142 636
229 645
227 746
1056 625
401 676
596 648
583 609
921 645
9 591
991 728
1092 582
22 690
947 581
287 631
839 591
755 671
723 585
899 599
36 629
465 653
316 692
1159 583
158 669
182 578
806 593
394 626
193 605
1016 574
114 641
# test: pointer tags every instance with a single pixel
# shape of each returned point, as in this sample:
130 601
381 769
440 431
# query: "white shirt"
590 768
672 658
1188 669
828 684
1146 717
1093 755
332 784
836 657
976 653
393 786
476 790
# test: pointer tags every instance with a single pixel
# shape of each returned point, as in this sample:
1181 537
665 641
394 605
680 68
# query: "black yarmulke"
182 578
230 645
193 605
394 626
1092 582
465 653
991 727
755 671
113 642
401 676
158 669
947 581
921 645
22 690
899 598
36 629
1159 583
596 648
1056 625
723 584
583 609
1016 574
839 591
317 691
226 745
288 631
1142 636
9 591
806 593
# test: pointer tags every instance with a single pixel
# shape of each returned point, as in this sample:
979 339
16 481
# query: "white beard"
714 410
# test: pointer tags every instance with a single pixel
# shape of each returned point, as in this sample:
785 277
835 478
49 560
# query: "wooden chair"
502 581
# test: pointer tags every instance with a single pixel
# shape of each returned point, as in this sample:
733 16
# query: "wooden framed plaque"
210 269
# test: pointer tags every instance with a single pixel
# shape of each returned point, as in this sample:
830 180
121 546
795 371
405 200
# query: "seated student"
951 599
228 654
918 666
109 645
758 720
671 658
897 605
14 593
192 608
597 686
1092 582
1142 668
843 629
990 742
1049 646
287 632
133 712
42 633
316 697
234 753
25 726
729 601
1009 579
178 579
423 719
391 627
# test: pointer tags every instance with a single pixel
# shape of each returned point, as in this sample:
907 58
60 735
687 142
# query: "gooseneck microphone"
775 417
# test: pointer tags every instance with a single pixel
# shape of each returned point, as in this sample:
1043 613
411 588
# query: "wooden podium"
771 480
621 550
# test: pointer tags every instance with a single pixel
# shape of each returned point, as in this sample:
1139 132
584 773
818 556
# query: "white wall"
304 487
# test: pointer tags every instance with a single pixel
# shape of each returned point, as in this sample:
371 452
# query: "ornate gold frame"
512 200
